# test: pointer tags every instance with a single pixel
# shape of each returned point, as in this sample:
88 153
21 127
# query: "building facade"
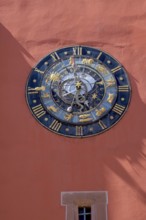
48 176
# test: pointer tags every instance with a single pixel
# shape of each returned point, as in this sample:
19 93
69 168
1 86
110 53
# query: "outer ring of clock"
66 128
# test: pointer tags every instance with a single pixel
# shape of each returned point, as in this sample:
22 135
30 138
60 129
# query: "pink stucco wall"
37 165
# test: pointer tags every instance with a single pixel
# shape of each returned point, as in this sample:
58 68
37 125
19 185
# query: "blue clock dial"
78 91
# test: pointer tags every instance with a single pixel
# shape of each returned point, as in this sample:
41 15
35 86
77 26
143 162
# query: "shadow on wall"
14 72
12 53
11 50
122 148
131 145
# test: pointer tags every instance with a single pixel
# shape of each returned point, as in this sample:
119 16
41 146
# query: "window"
84 213
85 205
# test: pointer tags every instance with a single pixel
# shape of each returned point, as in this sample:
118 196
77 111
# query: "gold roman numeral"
38 110
99 55
124 88
56 125
102 125
38 71
35 92
77 51
79 130
118 109
55 56
115 69
31 92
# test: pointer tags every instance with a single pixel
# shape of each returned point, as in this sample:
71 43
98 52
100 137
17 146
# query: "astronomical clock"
78 91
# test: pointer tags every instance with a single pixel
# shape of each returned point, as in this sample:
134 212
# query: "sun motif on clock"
78 91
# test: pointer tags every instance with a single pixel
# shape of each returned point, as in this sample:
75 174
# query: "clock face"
78 91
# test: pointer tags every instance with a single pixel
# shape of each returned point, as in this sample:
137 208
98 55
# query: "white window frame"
97 200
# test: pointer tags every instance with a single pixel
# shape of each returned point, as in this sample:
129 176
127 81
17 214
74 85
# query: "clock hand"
69 93
78 101
74 66
78 84
69 109
78 93
100 82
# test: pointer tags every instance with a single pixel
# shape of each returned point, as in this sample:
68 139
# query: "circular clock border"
104 58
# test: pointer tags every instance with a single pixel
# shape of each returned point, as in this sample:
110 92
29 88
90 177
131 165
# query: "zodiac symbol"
52 108
68 117
110 82
87 61
84 118
110 98
100 111
102 69
55 77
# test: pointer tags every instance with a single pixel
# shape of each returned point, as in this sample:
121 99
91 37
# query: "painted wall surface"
37 165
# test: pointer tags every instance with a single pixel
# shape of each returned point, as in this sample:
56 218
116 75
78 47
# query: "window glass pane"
88 217
84 213
81 217
81 210
88 209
